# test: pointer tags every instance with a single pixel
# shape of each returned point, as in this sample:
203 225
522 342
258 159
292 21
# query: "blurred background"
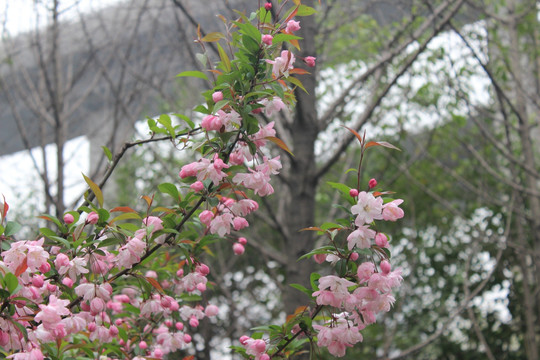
454 84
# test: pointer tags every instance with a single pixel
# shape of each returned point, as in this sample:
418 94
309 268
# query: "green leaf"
186 119
297 82
225 61
165 120
284 37
107 152
301 288
304 10
95 189
171 189
197 74
11 283
313 280
21 328
11 228
250 30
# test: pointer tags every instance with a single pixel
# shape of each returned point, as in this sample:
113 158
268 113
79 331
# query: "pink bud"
68 218
158 353
238 248
381 240
4 338
179 326
217 96
143 345
203 269
197 186
92 327
168 323
51 287
372 183
354 256
264 357
38 280
243 339
118 322
353 192
85 306
206 217
180 272
259 345
385 267
174 306
242 240
113 330
239 223
319 258
166 302
92 218
97 305
193 322
187 338
310 61
211 310
201 287
267 39
257 110
45 267
68 282
268 6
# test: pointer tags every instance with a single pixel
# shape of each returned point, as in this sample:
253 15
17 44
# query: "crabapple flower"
310 61
231 120
339 337
51 314
268 6
372 183
239 223
361 237
211 122
282 64
197 186
367 209
381 240
292 26
272 106
221 224
391 211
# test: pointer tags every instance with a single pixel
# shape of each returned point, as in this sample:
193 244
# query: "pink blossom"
361 237
154 222
282 64
364 271
217 96
206 217
310 61
367 209
221 224
319 258
272 106
211 122
267 39
255 180
51 314
202 269
231 120
211 310
244 207
292 26
391 211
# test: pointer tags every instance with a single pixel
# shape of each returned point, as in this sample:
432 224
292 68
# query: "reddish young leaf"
313 228
292 14
154 283
125 209
355 134
190 357
279 143
299 71
148 200
381 143
4 209
21 268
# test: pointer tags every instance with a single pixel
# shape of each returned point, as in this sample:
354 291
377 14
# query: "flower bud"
206 216
267 39
45 267
113 330
319 258
92 218
68 218
268 6
143 345
217 96
381 240
203 269
242 240
211 310
353 192
193 322
238 248
354 256
68 282
38 280
243 339
310 61
187 338
197 186
385 267
372 183
179 326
